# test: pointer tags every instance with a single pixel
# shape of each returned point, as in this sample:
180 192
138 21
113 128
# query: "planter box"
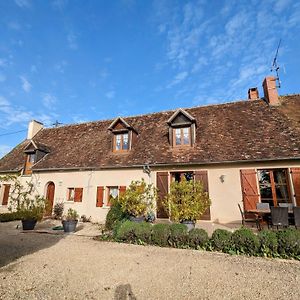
69 226
28 224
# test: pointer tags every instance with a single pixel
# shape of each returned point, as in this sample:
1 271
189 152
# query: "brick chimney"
270 90
33 128
253 94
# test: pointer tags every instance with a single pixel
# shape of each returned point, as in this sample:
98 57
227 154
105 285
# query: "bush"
8 217
126 232
198 238
289 243
178 236
142 233
58 210
221 240
268 243
160 234
114 215
245 241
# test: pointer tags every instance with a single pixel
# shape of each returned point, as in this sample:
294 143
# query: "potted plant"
25 201
186 202
137 200
70 220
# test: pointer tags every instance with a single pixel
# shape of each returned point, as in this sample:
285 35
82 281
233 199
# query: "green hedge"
8 217
282 243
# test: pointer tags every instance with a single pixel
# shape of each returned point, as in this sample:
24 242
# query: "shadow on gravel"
124 292
14 243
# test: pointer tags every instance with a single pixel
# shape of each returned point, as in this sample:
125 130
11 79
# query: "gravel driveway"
45 266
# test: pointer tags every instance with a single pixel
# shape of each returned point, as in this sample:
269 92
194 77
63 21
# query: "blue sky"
76 61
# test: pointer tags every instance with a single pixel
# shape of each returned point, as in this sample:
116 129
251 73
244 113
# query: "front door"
6 194
50 197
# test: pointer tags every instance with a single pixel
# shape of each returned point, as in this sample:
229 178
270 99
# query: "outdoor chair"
262 206
279 217
255 219
289 205
297 216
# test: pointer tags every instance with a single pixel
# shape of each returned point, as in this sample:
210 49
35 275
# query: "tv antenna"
56 124
275 67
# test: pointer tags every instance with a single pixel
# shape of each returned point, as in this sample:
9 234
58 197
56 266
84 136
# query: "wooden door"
162 184
296 183
249 188
50 197
6 194
203 178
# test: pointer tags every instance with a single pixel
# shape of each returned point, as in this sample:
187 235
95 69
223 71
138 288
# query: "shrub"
178 236
72 215
126 232
115 215
198 238
289 243
143 232
268 243
221 240
8 217
187 200
58 210
245 241
138 198
160 234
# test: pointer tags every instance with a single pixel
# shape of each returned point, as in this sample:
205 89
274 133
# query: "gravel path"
44 266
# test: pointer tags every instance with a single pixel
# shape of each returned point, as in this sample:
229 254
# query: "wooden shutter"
203 178
162 184
296 183
122 190
6 194
100 194
249 188
78 194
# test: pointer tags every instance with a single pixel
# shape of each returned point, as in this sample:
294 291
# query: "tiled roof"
237 131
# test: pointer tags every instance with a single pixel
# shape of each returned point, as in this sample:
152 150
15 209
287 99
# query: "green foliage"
138 198
115 215
143 233
245 241
187 200
198 238
58 210
160 234
178 236
72 215
289 243
126 232
24 199
221 240
268 243
11 216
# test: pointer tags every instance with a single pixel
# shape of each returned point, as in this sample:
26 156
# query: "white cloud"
4 149
25 84
72 40
23 3
48 100
110 94
60 66
33 69
280 5
177 79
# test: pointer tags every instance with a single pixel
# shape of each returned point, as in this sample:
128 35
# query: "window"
112 193
30 160
121 142
71 194
182 136
178 176
274 186
75 194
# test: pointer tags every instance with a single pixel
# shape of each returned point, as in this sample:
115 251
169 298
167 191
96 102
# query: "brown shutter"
78 194
249 189
122 190
6 194
162 184
296 183
100 194
203 178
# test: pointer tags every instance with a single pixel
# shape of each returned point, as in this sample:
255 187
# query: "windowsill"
121 151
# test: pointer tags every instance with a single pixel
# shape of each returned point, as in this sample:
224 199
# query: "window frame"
121 134
107 196
182 136
70 189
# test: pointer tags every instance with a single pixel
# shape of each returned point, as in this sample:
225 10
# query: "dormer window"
121 142
182 129
182 136
30 160
123 135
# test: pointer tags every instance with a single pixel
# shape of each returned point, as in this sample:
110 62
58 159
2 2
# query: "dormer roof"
33 146
187 117
117 121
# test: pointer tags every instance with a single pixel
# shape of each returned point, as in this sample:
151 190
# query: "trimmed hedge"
8 217
283 243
